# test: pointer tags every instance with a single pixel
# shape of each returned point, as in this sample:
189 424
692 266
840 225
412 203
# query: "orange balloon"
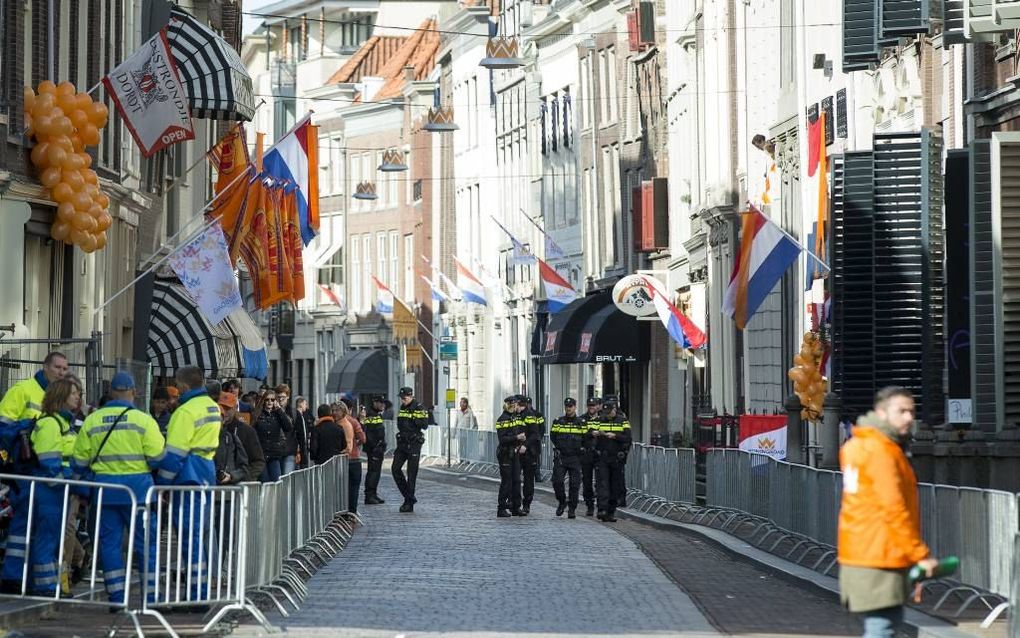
84 221
100 240
90 176
55 156
74 180
105 221
95 210
89 243
103 200
43 125
89 134
92 190
28 99
66 212
60 230
86 158
99 114
77 236
76 144
65 88
63 142
63 192
66 103
47 86
79 118
63 126
82 201
43 104
39 152
50 177
83 101
72 162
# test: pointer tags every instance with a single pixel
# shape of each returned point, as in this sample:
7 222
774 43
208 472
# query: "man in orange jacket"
879 521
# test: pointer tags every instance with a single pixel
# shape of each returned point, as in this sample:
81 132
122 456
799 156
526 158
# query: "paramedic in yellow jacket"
192 437
24 399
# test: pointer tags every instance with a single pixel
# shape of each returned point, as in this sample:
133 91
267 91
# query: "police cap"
378 398
510 399
593 401
569 402
406 392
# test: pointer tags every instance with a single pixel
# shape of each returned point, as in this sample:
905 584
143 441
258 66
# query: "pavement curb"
918 623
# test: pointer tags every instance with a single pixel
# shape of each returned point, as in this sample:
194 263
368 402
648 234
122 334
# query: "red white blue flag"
680 328
471 288
558 291
295 159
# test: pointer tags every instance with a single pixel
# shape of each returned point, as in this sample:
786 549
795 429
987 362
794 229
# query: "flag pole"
788 236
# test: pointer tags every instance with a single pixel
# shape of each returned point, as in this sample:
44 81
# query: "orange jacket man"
879 521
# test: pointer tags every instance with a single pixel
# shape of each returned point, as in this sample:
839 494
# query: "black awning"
360 372
563 334
610 336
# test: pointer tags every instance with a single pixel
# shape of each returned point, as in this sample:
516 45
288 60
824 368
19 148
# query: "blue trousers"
882 623
191 521
47 530
115 520
289 465
272 471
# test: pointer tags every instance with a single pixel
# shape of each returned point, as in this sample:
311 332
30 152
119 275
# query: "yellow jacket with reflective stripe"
134 446
53 443
22 401
192 437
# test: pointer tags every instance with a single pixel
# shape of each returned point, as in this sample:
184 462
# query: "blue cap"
122 381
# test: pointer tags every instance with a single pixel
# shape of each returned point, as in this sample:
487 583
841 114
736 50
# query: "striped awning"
180 336
218 85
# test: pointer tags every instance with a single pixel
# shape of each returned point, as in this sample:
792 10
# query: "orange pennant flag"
280 282
823 190
294 245
312 148
254 246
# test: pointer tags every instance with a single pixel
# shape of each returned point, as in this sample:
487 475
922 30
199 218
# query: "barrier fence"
199 547
977 525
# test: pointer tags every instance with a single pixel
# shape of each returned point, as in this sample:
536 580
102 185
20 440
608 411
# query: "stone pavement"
453 569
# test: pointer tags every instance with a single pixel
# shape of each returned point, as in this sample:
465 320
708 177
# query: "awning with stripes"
218 85
180 336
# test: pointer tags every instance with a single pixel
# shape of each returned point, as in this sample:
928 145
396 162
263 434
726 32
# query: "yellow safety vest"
134 445
22 401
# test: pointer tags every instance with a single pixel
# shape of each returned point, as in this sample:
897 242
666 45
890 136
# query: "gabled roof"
369 59
387 56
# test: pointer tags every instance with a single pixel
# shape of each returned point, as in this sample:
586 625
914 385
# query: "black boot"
526 509
571 514
502 513
408 506
561 508
373 500
590 511
517 512
601 515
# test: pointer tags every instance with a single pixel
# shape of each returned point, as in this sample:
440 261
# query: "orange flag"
254 246
823 190
234 173
294 244
229 157
280 282
312 145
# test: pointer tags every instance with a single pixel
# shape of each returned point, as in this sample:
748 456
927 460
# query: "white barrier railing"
975 524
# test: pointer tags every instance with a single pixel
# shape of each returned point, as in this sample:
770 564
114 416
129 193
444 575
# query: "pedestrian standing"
534 428
24 399
466 416
510 434
303 422
160 408
588 461
879 519
612 444
289 463
328 436
191 441
375 448
355 439
271 425
231 460
412 420
567 436
120 444
246 435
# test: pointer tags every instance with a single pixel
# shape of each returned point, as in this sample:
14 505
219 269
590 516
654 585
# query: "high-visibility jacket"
879 520
618 425
375 432
508 426
53 443
534 428
191 441
133 448
24 399
412 420
568 434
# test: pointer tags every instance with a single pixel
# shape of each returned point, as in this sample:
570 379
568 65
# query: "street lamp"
392 161
365 191
502 52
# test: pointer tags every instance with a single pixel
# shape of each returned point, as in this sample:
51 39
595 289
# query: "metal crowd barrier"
661 472
802 503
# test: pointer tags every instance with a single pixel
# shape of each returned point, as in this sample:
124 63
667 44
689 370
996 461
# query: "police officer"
24 399
192 437
120 444
510 434
612 443
375 448
534 428
567 434
412 420
591 419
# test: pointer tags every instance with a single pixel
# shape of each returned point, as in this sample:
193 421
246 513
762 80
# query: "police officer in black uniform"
412 419
591 419
375 448
612 443
567 434
534 427
511 436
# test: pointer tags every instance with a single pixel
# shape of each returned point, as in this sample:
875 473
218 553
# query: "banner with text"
763 434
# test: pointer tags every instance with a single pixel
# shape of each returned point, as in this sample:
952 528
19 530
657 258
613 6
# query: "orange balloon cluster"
807 378
63 122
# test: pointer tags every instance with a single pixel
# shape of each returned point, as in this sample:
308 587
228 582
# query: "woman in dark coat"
272 426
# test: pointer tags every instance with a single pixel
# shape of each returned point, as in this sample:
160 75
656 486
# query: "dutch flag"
384 303
558 291
471 287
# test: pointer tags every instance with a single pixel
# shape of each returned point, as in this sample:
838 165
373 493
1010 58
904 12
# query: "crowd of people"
589 454
196 432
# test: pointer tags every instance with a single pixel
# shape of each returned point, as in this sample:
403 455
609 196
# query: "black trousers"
353 483
529 467
588 481
410 455
374 471
564 466
609 484
509 480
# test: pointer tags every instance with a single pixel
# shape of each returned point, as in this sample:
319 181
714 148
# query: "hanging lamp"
392 161
502 52
365 191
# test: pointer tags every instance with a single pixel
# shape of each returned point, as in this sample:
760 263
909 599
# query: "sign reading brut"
150 97
633 296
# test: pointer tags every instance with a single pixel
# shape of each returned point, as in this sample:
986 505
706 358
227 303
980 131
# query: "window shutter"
985 366
905 17
853 212
1006 219
957 198
860 34
952 22
646 22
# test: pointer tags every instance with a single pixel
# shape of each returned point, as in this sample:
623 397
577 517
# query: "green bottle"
946 567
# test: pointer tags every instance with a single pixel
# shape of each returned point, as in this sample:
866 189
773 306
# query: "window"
608 212
392 182
601 90
366 266
337 165
586 92
381 180
394 280
418 190
554 121
380 257
568 114
332 272
355 288
356 204
409 267
613 203
543 111
613 89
